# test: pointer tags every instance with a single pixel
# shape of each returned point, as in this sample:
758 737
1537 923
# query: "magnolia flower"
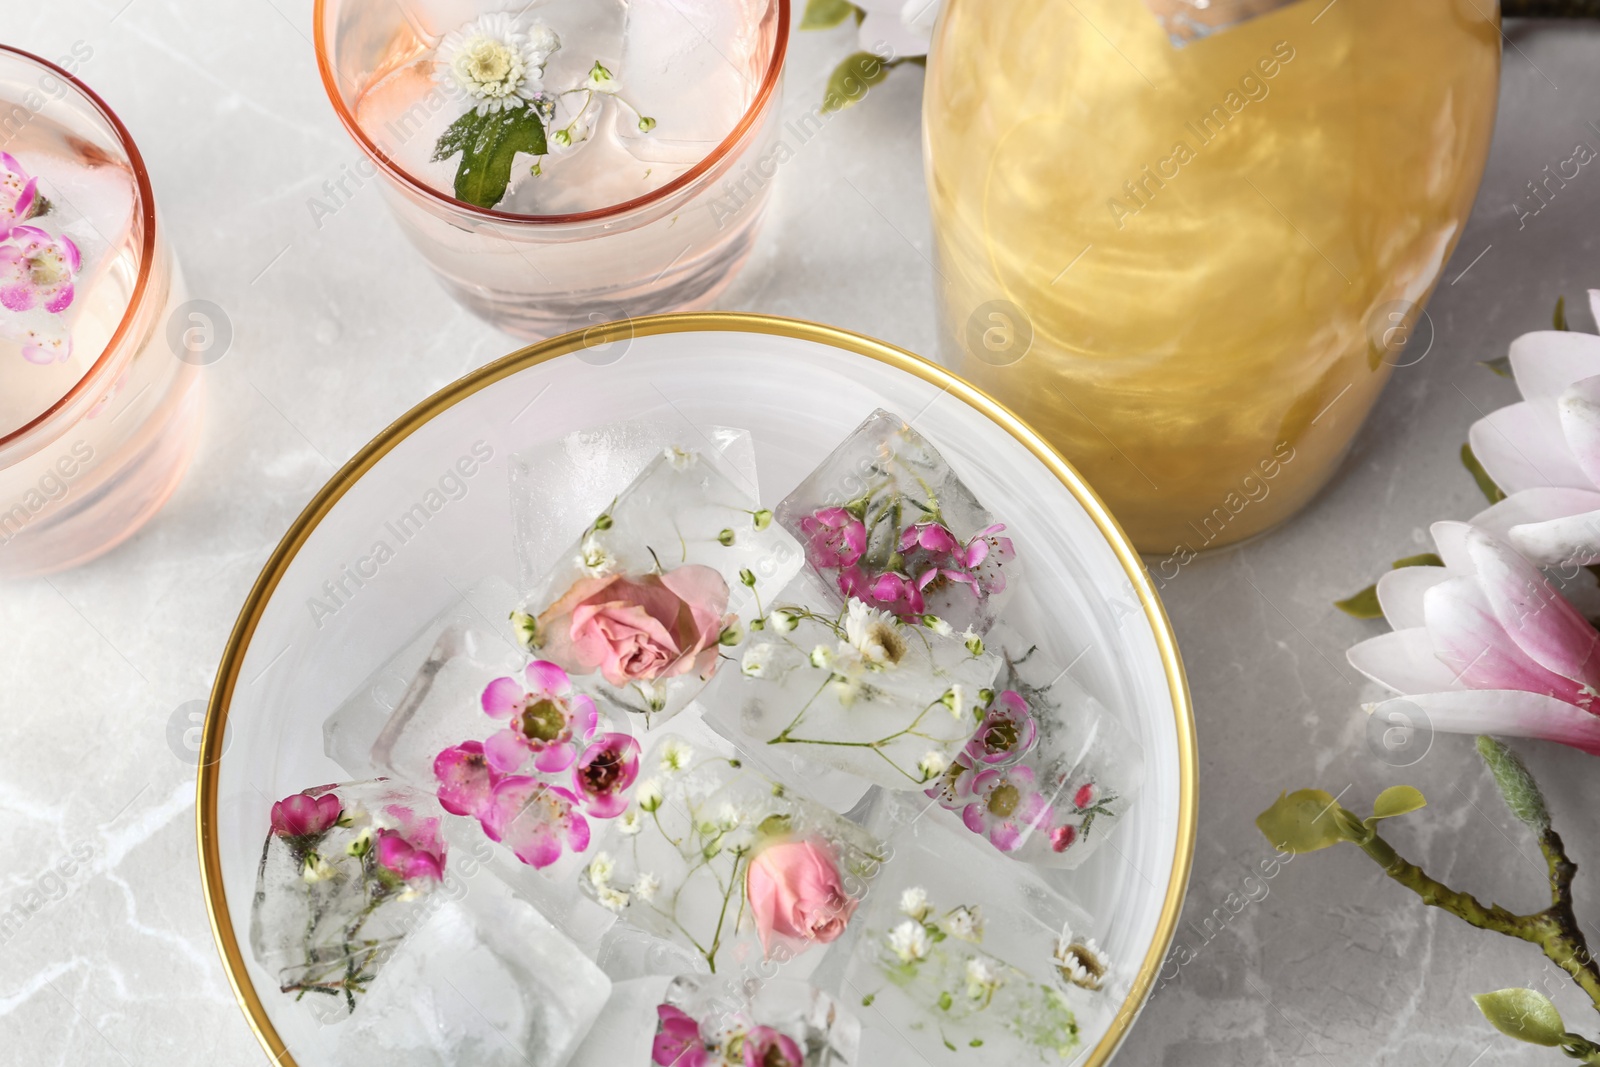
909 941
896 28
494 61
1545 451
1485 644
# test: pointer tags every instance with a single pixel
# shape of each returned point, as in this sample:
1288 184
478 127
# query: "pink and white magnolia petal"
1572 541
1542 622
1504 712
1521 447
1545 362
1470 640
1400 593
1534 506
1579 407
1450 542
1594 304
1404 661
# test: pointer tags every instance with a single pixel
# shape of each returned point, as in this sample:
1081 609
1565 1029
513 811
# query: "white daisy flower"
875 634
757 660
494 61
675 756
914 902
1081 962
909 941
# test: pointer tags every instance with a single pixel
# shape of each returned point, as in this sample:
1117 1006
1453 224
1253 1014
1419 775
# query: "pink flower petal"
1540 620
1545 362
553 759
1535 506
465 778
1469 639
1403 661
61 300
506 751
1506 713
1521 446
972 816
1450 542
546 679
1005 837
503 696
1400 593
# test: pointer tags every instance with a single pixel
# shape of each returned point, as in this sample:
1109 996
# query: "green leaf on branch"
1486 486
1517 787
1364 605
1303 821
1525 1015
850 80
489 145
1559 319
1397 800
825 14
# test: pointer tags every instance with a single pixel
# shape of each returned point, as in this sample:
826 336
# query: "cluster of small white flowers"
909 941
914 903
982 980
630 822
675 756
645 886
594 559
600 871
757 660
965 924
933 764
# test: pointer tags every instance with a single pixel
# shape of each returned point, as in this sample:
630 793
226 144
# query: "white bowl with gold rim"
799 388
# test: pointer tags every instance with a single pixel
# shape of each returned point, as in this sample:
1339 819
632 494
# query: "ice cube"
886 519
707 843
638 605
344 873
469 642
484 979
558 486
628 1035
858 689
956 951
1050 770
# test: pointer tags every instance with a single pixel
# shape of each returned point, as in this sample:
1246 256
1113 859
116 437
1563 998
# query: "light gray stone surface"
339 328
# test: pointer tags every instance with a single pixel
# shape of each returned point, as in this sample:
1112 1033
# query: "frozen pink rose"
766 1047
534 819
604 771
413 850
1007 732
1484 644
19 193
466 780
638 629
545 715
835 537
38 269
677 1042
302 815
796 894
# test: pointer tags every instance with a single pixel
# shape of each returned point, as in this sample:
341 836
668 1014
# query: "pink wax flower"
677 1042
302 815
836 538
1484 644
1007 732
19 193
44 349
407 860
898 594
466 779
796 894
545 715
639 629
37 269
604 771
932 537
1006 805
766 1047
535 820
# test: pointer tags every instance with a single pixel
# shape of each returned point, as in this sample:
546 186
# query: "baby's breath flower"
757 660
783 621
981 979
909 941
675 755
601 869
646 886
731 635
316 869
937 625
964 924
763 518
595 559
648 795
361 844
914 902
973 642
630 822
933 764
955 698
681 459
612 898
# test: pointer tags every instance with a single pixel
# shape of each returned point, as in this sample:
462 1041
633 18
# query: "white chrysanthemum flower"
316 869
675 755
646 886
630 822
909 941
933 764
601 869
964 924
981 979
757 660
494 61
615 899
875 634
680 459
648 795
1081 962
937 625
914 902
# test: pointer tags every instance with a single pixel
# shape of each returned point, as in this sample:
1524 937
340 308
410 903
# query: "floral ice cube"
483 980
886 520
1049 771
860 690
956 952
727 863
419 700
782 1024
558 486
642 603
343 877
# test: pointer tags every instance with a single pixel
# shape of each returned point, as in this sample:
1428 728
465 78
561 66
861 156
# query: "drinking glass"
98 409
600 247
1192 251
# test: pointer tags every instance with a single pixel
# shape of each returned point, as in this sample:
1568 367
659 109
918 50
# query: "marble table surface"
338 328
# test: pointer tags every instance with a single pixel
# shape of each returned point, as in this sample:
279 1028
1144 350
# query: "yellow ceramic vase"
1193 268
